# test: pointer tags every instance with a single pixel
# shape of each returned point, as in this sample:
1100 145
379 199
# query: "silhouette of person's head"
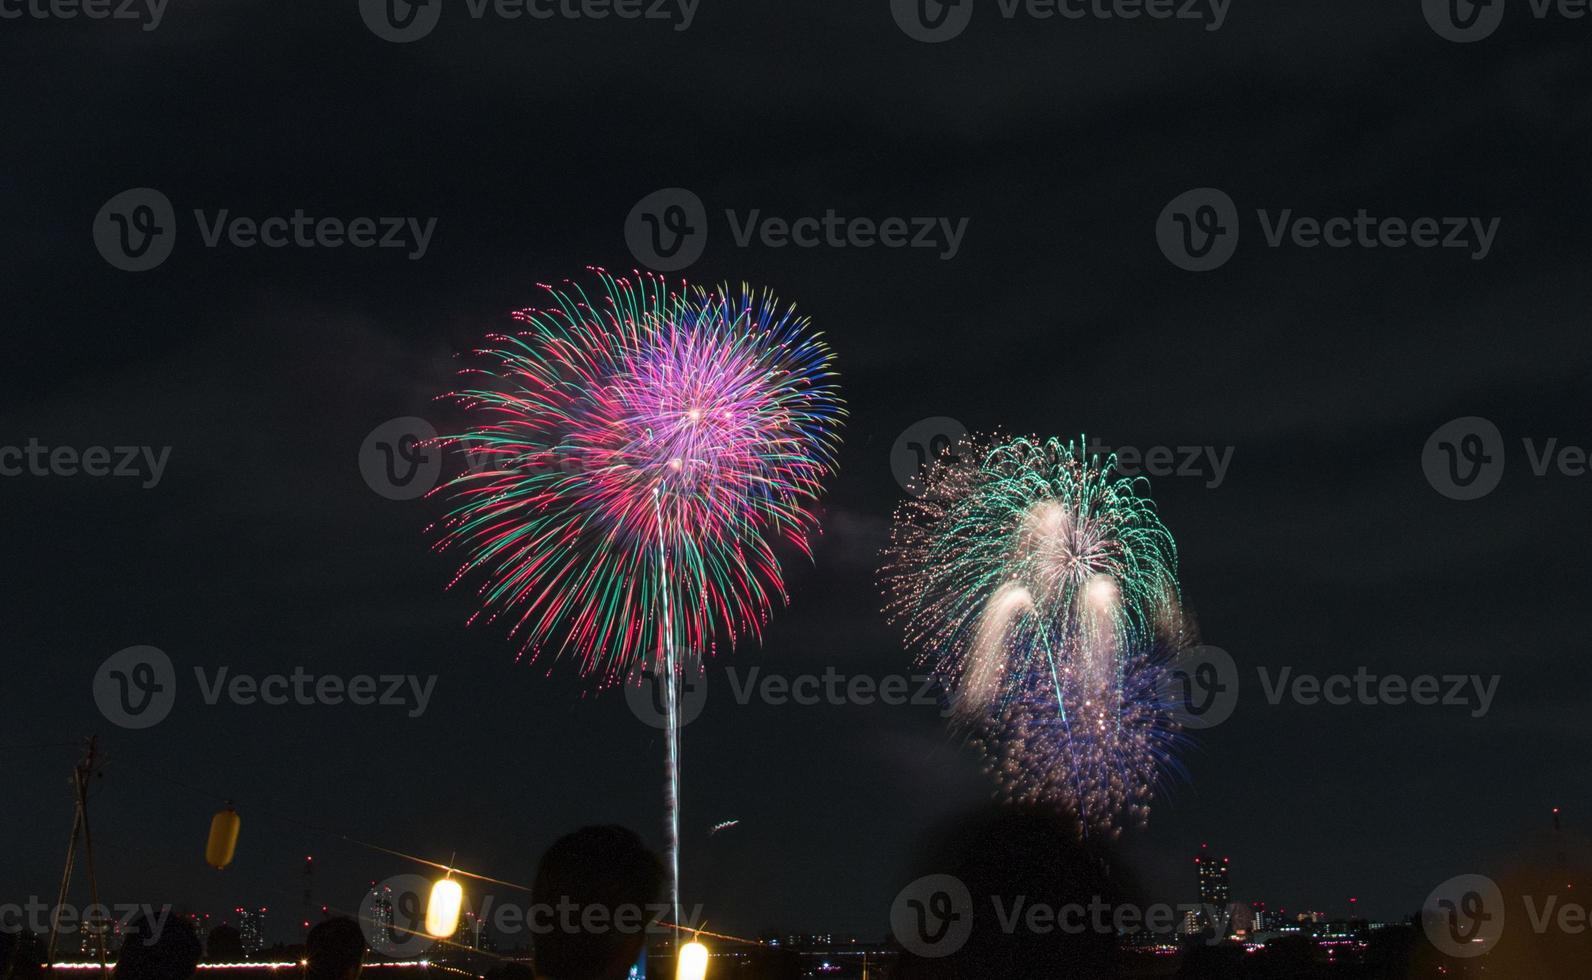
224 945
161 949
607 869
334 950
1015 857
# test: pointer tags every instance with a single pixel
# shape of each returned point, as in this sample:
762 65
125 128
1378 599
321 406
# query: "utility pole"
84 772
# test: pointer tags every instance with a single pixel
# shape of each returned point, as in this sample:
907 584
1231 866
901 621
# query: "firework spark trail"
672 714
1044 590
634 463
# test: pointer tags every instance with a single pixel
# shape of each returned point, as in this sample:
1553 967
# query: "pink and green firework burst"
1043 589
633 459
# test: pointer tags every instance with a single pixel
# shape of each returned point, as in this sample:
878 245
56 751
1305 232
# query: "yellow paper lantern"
224 827
693 962
442 912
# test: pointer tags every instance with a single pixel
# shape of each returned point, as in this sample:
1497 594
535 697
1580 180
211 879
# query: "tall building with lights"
1262 918
95 929
1214 887
251 929
1215 890
381 914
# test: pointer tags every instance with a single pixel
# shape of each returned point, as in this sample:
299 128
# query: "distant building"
1215 890
251 929
381 914
96 928
201 925
473 933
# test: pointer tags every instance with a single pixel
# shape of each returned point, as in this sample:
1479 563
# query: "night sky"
1324 548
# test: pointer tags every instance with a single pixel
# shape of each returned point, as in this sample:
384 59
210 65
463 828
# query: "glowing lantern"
693 962
442 912
223 841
